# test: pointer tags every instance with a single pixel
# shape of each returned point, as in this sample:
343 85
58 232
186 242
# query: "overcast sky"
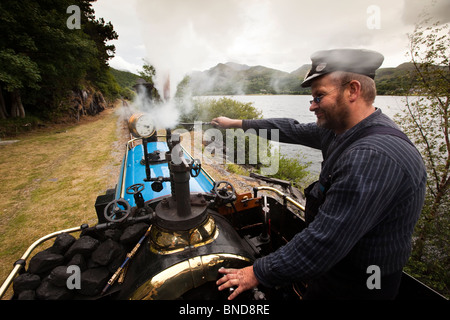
179 36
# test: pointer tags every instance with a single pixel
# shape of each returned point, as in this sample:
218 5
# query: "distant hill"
125 79
232 78
394 81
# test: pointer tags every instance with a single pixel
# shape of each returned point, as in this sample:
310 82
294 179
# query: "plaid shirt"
371 207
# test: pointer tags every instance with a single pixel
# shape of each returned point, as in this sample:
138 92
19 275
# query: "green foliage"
394 81
125 79
109 86
294 170
207 109
426 120
233 109
44 59
148 72
290 169
18 71
237 169
237 110
13 126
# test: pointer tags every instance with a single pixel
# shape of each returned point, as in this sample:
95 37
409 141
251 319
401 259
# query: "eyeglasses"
319 98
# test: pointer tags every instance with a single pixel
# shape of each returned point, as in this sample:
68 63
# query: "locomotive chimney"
181 211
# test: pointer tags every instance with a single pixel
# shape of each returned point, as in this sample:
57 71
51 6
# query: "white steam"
165 114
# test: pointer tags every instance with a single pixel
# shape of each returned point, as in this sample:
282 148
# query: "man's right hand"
225 123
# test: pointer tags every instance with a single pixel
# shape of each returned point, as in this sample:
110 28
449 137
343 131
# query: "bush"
237 169
14 126
294 170
208 109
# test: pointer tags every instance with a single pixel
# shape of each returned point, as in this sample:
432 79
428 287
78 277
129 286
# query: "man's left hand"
244 279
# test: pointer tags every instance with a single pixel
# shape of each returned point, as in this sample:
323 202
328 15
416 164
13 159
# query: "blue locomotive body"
133 171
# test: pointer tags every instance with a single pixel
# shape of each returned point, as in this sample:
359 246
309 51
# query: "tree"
17 72
148 72
17 69
41 59
426 120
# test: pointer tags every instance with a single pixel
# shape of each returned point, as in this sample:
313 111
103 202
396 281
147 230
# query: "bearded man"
361 212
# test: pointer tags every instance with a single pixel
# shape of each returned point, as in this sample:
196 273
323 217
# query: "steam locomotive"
164 232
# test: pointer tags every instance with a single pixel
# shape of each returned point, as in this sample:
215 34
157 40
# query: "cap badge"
321 66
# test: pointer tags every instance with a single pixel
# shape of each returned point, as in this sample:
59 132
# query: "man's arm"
289 130
363 193
227 123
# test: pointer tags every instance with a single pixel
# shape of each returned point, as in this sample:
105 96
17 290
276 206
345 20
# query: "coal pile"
95 255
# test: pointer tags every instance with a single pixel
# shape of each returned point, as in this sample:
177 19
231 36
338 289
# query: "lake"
297 107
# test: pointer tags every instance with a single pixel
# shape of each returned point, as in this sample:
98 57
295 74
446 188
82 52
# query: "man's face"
332 110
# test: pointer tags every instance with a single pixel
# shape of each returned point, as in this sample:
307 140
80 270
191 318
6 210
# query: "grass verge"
50 180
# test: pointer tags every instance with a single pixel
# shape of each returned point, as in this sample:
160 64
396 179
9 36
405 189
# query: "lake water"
297 107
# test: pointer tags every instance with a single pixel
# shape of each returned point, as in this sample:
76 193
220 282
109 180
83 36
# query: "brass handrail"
281 194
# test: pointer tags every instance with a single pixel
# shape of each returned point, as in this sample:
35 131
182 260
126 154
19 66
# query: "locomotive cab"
196 225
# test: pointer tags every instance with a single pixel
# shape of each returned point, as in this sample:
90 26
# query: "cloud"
120 63
197 34
130 49
179 36
439 9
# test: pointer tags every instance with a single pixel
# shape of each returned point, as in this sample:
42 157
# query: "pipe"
281 194
194 123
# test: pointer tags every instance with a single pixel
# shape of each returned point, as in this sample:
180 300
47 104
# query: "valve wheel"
226 192
117 210
195 168
135 188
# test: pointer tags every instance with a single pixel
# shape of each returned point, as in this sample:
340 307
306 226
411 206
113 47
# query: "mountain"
233 78
237 66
